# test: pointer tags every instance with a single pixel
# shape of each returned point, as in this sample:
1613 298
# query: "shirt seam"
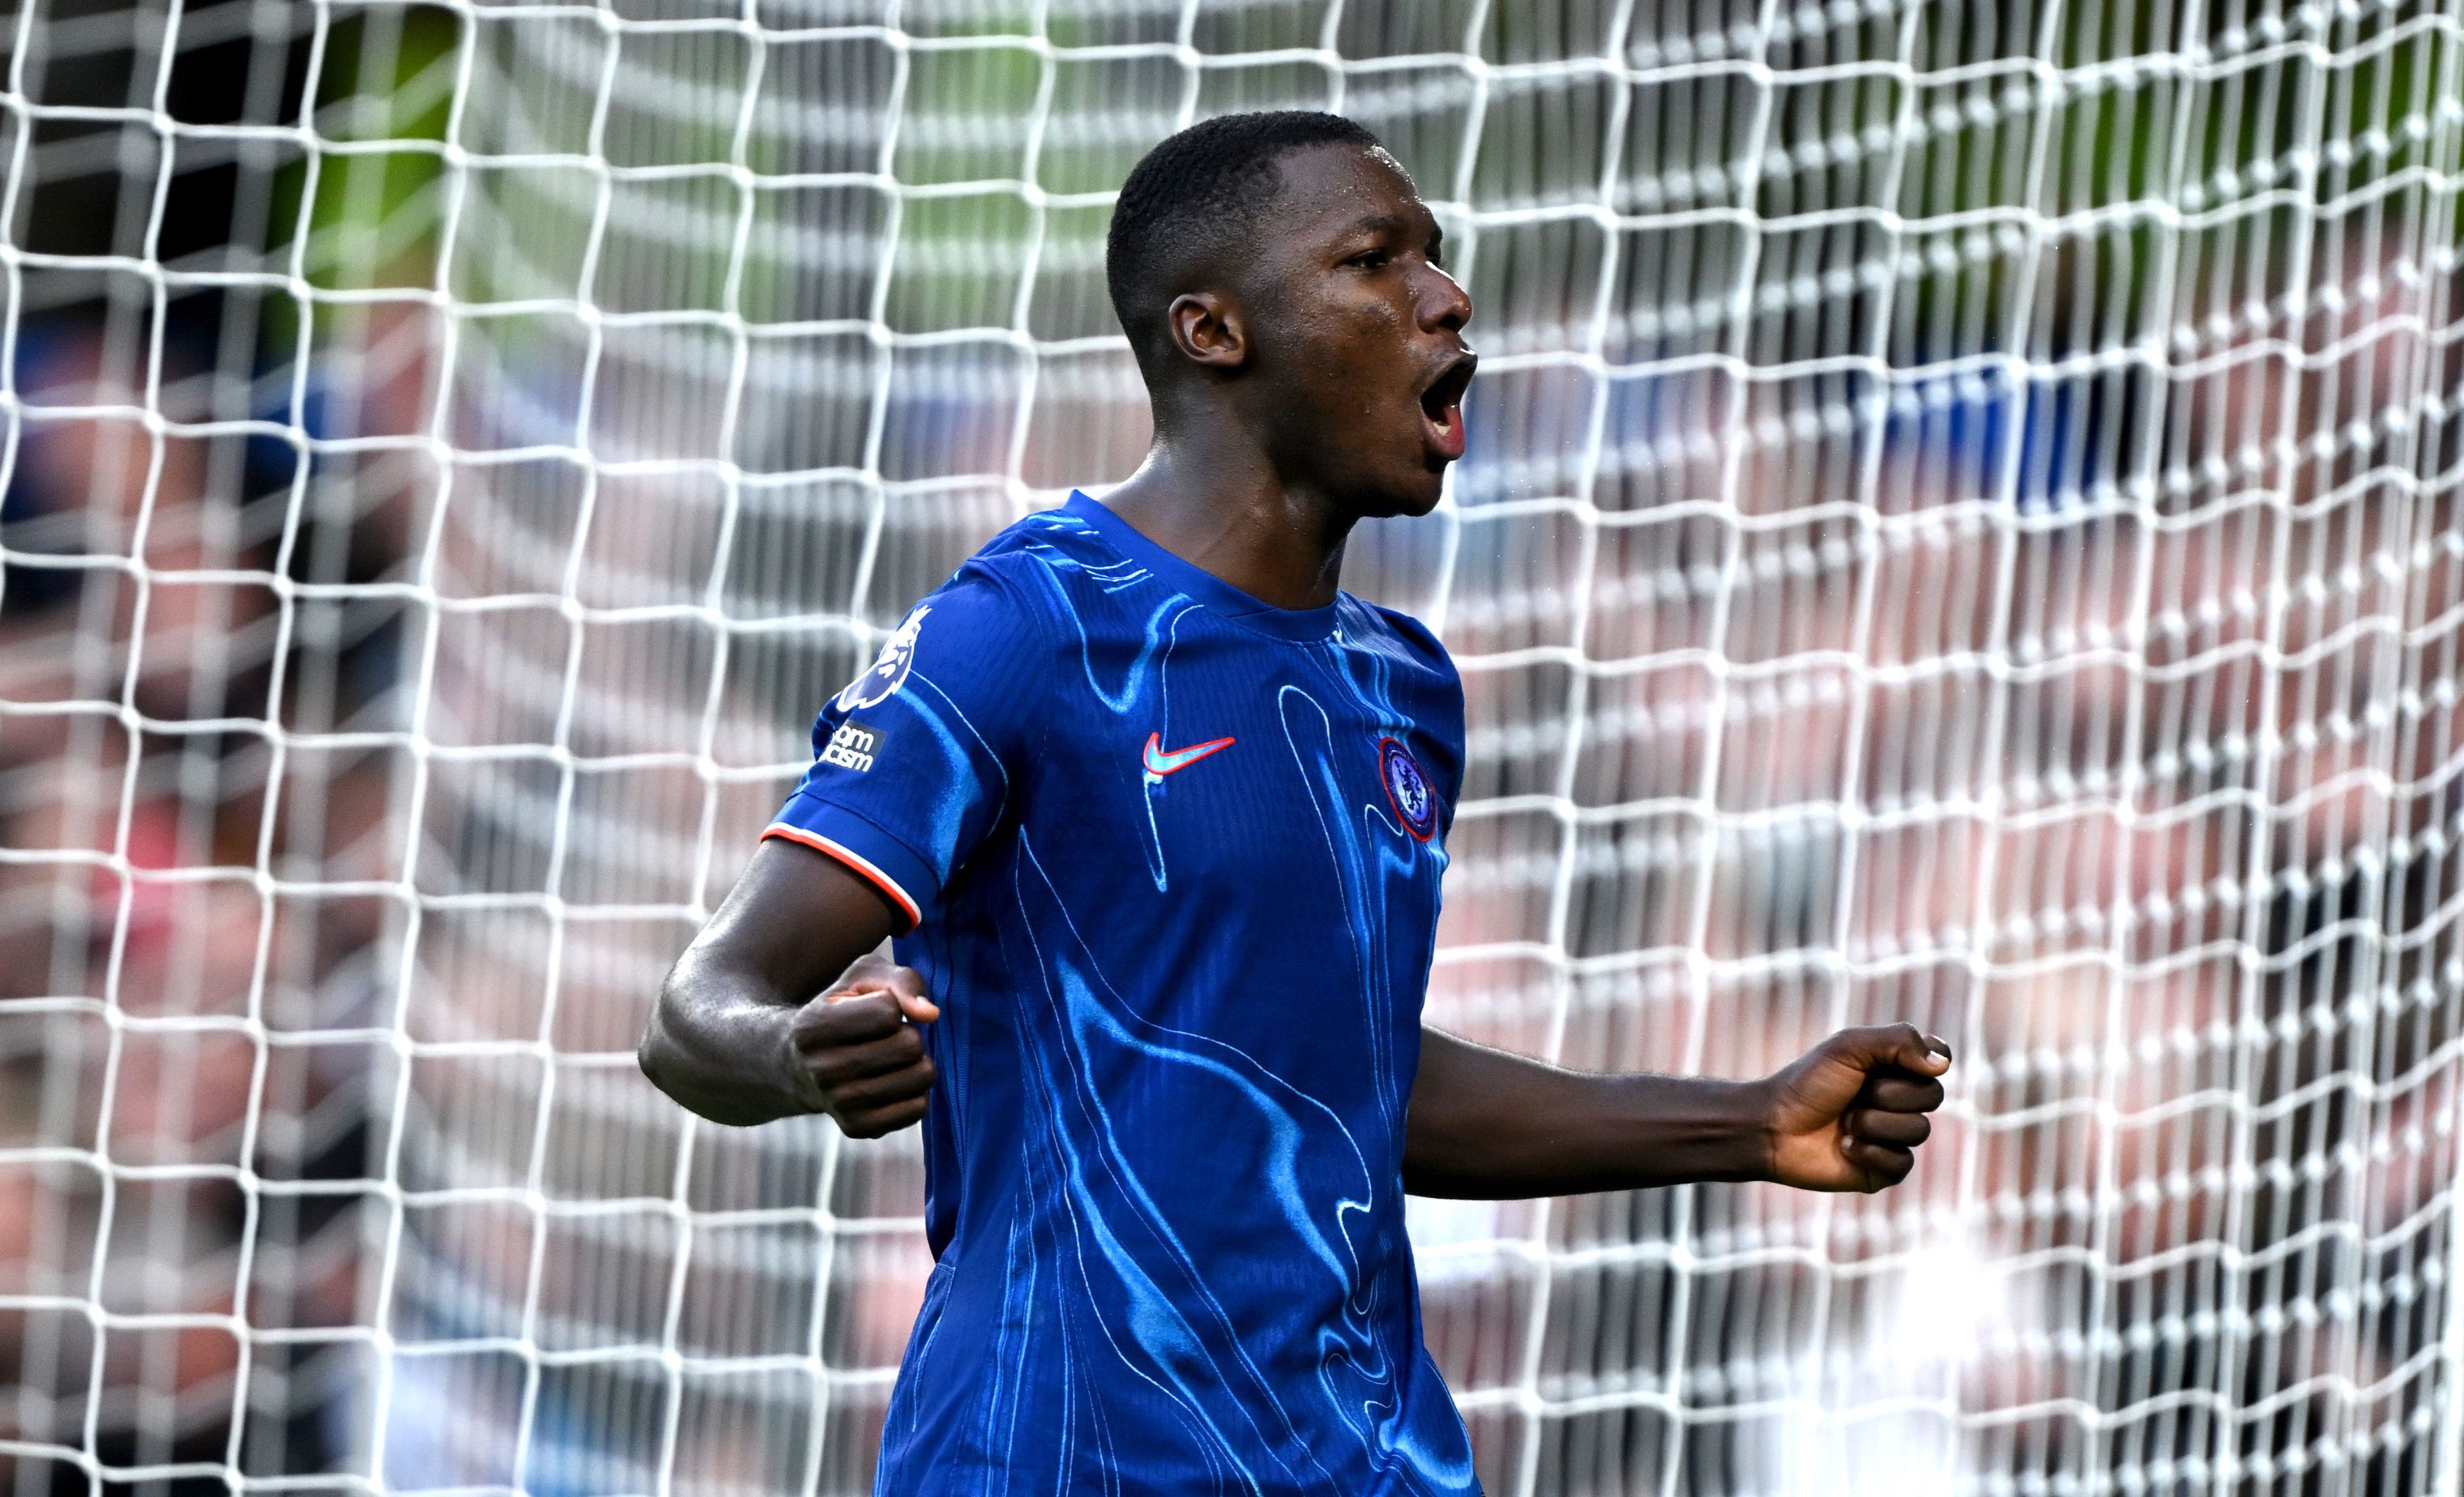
808 793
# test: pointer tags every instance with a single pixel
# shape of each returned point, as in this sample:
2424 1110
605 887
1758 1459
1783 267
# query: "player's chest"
1235 782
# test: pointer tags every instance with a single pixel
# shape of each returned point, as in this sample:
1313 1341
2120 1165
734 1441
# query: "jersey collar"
1212 592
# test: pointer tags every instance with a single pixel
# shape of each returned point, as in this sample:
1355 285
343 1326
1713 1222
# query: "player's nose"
1439 302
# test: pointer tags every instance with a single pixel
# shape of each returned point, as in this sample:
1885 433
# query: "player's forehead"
1328 192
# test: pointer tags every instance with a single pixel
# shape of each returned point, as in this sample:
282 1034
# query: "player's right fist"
855 1052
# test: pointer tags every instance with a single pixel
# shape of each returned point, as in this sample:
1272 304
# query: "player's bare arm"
780 1007
1846 1117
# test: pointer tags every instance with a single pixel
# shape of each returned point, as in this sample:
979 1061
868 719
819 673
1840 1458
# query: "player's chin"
1407 500
1423 497
1403 478
1419 487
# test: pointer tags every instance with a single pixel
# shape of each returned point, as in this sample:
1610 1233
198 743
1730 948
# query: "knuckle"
857 1095
867 1016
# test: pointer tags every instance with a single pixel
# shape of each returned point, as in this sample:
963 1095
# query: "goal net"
1962 523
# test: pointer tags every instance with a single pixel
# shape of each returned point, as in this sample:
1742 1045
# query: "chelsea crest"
1407 789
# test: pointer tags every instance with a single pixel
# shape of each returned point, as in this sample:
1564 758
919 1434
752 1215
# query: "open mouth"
1442 406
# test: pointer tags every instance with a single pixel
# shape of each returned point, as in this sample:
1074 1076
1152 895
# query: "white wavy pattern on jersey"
1362 866
1154 643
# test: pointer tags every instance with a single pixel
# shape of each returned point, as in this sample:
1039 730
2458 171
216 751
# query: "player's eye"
1370 259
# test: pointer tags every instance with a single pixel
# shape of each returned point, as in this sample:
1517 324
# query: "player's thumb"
912 1001
905 984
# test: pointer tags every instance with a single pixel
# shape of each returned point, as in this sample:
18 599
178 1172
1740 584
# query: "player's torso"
1187 972
1241 811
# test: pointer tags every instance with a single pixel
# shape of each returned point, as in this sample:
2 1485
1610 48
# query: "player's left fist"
857 1051
1850 1114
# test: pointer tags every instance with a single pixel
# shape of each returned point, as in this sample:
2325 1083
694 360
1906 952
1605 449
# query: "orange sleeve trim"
855 861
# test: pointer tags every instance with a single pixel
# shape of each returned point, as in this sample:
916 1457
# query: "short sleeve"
914 759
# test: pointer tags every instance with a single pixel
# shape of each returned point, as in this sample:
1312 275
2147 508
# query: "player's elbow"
655 1051
665 1052
696 1049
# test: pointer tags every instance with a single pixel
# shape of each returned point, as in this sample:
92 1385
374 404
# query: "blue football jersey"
1170 858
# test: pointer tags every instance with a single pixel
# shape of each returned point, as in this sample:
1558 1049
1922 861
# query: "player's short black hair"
1194 194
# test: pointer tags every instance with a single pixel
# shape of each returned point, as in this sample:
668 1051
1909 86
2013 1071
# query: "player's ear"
1206 328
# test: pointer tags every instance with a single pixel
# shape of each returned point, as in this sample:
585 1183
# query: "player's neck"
1229 514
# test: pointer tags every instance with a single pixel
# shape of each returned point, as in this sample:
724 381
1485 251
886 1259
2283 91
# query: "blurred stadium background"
1962 523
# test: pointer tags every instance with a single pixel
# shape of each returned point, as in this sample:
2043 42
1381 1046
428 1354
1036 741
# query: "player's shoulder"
1045 585
1060 557
1400 668
1034 564
1062 573
1003 585
1376 626
981 631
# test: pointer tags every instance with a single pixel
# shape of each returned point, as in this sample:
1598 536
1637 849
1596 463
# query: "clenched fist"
856 1051
1849 1114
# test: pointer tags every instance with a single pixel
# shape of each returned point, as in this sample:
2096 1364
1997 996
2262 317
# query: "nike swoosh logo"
1161 764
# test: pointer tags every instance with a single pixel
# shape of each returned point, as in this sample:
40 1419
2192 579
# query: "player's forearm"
721 1037
717 1043
1487 1125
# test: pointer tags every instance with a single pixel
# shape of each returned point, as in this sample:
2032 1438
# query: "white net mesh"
1963 523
